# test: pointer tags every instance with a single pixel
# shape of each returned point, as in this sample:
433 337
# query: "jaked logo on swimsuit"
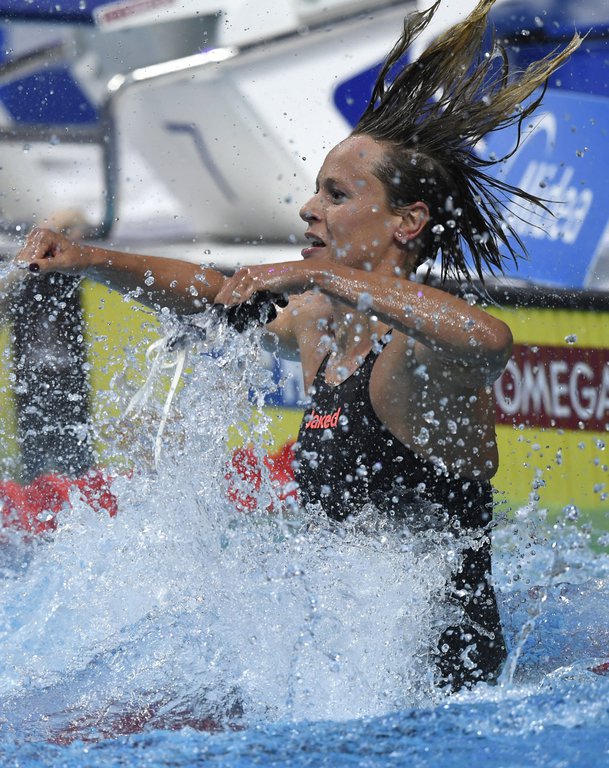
327 421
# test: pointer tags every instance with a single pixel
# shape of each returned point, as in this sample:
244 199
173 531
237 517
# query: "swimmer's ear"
414 220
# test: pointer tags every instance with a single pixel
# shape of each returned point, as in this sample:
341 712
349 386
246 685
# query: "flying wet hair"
432 114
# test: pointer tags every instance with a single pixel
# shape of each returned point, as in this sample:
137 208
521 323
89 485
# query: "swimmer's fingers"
39 248
238 288
280 279
46 251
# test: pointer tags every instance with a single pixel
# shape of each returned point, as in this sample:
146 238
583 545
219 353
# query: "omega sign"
560 387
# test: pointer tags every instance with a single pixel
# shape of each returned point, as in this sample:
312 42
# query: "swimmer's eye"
337 196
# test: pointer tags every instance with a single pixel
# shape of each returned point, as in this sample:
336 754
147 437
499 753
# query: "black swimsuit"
347 458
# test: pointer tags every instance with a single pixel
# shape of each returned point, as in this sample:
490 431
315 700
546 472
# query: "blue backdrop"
78 11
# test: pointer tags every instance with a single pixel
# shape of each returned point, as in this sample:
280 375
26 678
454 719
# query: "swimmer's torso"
346 458
436 409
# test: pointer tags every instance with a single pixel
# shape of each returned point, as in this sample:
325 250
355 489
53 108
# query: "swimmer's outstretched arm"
155 281
446 325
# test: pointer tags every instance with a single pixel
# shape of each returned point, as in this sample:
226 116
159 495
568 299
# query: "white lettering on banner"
567 206
558 388
584 409
535 390
602 404
552 387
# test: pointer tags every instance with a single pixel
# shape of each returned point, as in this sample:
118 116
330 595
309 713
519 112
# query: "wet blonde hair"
432 114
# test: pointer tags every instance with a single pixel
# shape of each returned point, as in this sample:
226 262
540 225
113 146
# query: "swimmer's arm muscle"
448 328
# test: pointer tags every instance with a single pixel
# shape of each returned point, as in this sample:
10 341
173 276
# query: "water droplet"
364 301
423 437
342 372
571 338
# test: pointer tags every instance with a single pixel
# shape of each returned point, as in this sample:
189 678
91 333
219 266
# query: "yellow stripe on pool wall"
555 470
9 449
554 466
115 325
556 327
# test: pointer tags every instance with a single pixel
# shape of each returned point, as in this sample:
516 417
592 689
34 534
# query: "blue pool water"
181 633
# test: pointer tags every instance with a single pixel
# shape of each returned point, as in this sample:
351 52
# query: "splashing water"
182 611
182 605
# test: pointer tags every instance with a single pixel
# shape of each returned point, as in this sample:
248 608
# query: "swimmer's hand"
259 309
285 278
48 251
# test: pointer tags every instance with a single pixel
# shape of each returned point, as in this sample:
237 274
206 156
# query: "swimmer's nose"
307 212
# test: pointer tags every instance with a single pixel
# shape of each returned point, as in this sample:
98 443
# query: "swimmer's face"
349 217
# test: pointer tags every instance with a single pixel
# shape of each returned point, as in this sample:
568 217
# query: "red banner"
558 387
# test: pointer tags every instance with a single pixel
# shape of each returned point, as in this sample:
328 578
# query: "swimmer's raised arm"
155 281
446 325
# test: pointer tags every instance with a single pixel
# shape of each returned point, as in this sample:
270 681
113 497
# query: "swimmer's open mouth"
315 241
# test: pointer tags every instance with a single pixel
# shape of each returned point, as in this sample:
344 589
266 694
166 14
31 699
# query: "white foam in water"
186 608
